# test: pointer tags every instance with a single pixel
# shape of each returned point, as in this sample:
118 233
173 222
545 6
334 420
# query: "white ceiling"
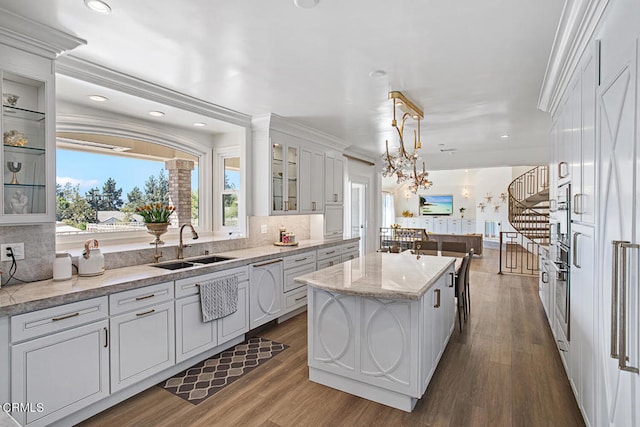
475 67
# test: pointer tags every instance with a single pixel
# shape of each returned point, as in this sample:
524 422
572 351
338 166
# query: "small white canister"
62 266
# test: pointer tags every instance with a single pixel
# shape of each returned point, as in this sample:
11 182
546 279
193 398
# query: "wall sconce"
482 206
488 197
465 192
407 195
503 197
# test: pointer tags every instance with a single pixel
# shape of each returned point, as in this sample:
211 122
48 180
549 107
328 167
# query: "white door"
358 215
616 130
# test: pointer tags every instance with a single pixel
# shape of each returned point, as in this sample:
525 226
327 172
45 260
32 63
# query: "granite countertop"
15 299
381 275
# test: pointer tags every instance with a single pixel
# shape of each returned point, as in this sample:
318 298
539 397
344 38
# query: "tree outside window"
230 192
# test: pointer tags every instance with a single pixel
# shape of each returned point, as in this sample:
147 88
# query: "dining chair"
425 247
454 247
467 294
460 290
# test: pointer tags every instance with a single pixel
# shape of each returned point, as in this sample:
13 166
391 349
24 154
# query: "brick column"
180 189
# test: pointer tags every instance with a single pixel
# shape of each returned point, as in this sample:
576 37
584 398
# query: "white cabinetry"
468 226
284 175
333 179
583 139
142 340
295 294
73 354
27 154
311 181
333 221
265 300
583 336
193 336
328 257
440 226
454 226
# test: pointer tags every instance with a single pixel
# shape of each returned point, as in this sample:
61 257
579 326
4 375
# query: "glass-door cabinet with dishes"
284 178
26 158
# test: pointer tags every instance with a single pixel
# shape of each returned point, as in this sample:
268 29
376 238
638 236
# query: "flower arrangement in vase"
156 217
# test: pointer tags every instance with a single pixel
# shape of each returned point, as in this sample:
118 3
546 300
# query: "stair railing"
523 217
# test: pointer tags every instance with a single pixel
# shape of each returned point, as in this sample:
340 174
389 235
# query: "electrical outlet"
17 248
263 228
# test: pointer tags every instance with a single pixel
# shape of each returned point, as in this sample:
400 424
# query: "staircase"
529 215
529 204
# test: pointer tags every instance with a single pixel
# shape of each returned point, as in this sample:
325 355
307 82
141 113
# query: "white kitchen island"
379 324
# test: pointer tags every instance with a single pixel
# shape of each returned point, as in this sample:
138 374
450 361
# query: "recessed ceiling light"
505 136
306 4
98 98
98 6
156 113
466 170
199 124
376 74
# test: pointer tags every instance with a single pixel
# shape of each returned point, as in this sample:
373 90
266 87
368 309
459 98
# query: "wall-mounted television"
436 205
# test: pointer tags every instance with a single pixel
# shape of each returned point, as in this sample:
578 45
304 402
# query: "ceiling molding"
71 123
577 24
291 127
34 37
97 74
359 155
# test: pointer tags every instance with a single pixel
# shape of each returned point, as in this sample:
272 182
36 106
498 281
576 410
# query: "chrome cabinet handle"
144 313
545 274
575 250
313 206
145 297
614 298
335 197
68 316
300 298
577 201
561 173
553 205
452 275
437 305
106 337
622 349
267 263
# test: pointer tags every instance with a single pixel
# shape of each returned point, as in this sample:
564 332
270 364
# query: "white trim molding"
87 71
577 24
291 127
34 37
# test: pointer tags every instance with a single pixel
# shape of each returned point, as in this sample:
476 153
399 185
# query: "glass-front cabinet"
284 178
26 158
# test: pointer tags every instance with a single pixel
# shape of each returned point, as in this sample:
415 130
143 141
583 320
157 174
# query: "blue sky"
92 170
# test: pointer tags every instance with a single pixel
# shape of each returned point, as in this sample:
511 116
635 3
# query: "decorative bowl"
9 99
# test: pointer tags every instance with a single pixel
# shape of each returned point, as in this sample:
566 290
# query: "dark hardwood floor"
502 370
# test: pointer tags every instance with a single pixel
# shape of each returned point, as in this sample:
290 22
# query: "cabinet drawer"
54 319
329 262
351 247
138 298
348 256
300 260
289 276
295 299
189 286
329 252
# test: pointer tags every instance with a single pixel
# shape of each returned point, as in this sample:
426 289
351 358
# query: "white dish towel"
219 298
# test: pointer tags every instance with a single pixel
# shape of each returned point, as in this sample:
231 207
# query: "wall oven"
561 248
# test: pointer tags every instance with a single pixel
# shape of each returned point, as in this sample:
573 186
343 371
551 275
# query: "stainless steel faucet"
181 245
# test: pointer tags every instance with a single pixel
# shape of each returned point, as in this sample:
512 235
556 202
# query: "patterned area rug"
206 378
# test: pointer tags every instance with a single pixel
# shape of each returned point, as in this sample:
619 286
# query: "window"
230 191
99 185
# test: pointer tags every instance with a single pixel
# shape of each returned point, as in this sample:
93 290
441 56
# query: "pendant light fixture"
403 164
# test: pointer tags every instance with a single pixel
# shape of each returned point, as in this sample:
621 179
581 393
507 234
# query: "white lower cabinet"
142 344
64 372
265 299
295 294
236 324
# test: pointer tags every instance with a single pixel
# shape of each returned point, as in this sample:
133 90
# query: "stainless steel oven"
562 250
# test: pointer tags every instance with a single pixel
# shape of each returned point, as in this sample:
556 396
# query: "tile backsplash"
39 245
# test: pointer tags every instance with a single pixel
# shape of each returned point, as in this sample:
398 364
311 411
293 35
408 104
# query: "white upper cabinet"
28 150
292 172
334 179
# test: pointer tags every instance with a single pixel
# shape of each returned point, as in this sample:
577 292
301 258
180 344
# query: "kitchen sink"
178 265
174 265
209 259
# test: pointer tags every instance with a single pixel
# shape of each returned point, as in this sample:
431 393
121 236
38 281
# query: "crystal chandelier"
403 164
